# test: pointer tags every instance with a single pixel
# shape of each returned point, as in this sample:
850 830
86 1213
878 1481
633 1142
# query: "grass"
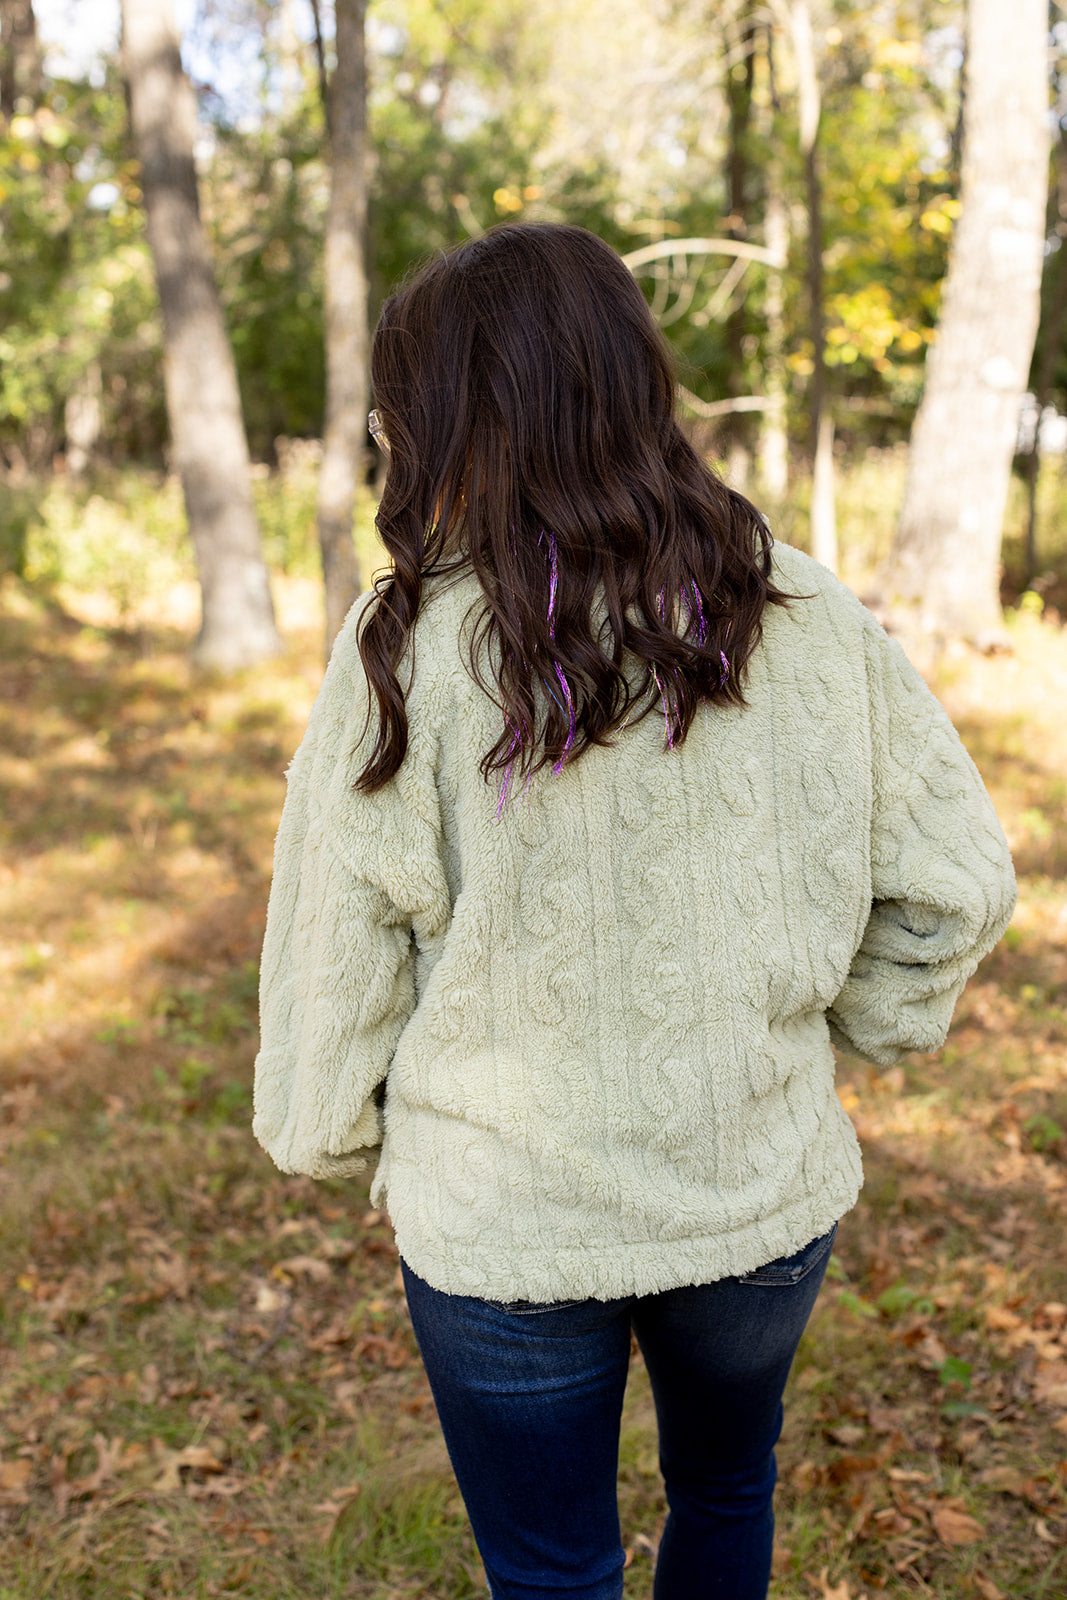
208 1382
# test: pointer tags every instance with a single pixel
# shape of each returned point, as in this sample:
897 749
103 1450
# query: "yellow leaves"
897 55
513 197
867 327
940 214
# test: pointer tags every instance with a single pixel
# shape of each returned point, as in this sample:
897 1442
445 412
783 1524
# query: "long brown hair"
528 399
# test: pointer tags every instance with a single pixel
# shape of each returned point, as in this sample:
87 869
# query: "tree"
823 520
739 77
203 406
20 56
944 565
345 284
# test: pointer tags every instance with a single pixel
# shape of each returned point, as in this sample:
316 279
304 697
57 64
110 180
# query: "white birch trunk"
944 569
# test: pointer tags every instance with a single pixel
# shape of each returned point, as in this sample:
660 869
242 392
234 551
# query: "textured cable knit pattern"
604 1016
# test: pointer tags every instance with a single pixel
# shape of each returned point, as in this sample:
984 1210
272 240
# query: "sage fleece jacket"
603 1018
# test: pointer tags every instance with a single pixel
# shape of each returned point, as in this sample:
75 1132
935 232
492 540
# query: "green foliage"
264 200
1043 1132
901 1297
124 538
76 290
470 125
953 1370
889 195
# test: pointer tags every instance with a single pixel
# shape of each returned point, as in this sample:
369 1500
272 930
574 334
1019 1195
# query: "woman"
609 817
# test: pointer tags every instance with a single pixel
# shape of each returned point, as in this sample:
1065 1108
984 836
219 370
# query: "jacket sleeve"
357 882
942 885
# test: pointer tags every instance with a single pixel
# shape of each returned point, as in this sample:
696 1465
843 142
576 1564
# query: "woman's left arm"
942 885
354 876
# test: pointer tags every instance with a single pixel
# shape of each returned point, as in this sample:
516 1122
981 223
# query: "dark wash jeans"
530 1399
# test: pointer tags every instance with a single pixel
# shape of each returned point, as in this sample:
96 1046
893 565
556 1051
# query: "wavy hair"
528 399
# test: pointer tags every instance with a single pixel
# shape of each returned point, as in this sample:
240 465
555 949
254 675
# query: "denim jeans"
530 1400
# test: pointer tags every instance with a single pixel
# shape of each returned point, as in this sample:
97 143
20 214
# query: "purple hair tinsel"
566 705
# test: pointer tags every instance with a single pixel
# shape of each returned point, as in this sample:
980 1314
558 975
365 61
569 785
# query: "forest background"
208 1382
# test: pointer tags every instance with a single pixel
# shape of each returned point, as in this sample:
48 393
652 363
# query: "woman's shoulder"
819 601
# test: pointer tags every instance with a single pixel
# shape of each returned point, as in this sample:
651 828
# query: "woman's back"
609 1068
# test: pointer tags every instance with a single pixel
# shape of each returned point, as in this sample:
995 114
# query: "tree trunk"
83 416
944 568
773 459
739 80
203 404
773 437
345 317
20 57
823 512
823 525
1051 328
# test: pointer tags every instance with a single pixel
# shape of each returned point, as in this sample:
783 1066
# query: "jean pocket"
788 1270
531 1308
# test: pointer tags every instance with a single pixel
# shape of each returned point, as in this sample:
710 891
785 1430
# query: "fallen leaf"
901 1475
109 1455
306 1266
14 1481
987 1588
847 1433
891 1523
339 1499
269 1299
851 1466
200 1457
839 1591
955 1527
884 1419
1009 1480
1001 1319
226 1486
931 1352
1043 1531
197 1456
336 1333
